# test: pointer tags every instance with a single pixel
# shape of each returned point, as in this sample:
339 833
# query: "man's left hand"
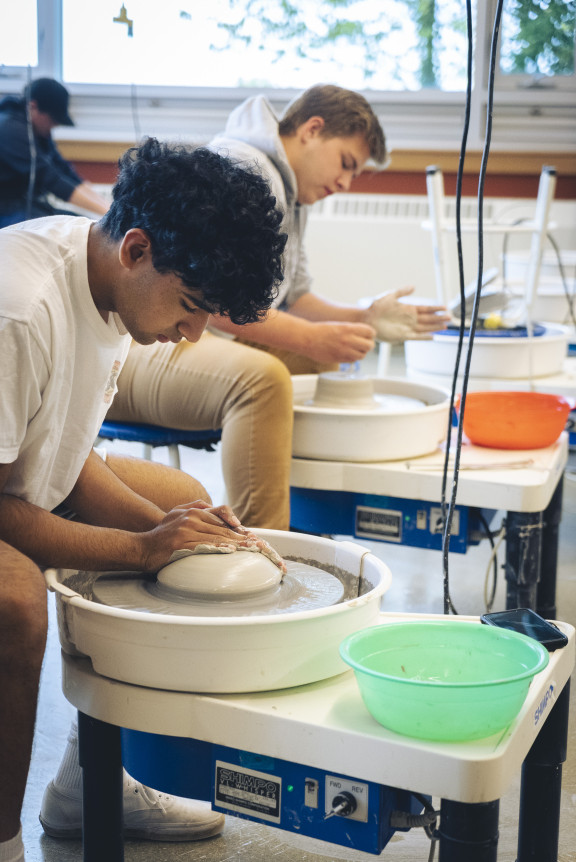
400 321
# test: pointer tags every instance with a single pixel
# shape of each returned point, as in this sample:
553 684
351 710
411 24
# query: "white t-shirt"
59 360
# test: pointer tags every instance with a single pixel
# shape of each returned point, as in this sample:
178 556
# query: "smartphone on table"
528 622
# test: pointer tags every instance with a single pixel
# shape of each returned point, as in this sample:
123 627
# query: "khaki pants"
220 383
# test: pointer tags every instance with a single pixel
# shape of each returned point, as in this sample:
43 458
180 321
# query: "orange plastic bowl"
514 420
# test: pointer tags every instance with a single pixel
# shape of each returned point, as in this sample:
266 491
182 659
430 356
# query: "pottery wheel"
396 403
303 588
378 403
336 390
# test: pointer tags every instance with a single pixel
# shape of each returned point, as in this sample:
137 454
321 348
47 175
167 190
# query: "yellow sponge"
493 321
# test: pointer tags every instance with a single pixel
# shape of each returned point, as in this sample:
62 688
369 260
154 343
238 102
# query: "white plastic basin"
332 434
226 654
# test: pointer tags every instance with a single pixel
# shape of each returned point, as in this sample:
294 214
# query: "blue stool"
152 436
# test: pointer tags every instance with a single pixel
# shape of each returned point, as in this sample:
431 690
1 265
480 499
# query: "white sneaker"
148 815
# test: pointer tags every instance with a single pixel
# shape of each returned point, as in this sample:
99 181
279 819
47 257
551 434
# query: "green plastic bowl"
443 680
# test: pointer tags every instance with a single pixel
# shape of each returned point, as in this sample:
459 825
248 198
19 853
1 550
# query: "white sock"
69 775
13 850
68 779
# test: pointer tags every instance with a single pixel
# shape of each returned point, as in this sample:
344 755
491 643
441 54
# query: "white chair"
443 228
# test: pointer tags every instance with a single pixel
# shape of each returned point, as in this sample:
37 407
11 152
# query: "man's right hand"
190 525
339 341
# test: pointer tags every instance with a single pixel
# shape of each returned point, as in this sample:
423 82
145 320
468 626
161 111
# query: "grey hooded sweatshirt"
251 137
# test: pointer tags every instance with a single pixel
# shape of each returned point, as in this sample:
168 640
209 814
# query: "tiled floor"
417 586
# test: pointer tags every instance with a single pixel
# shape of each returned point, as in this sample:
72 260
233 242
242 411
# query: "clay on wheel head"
235 575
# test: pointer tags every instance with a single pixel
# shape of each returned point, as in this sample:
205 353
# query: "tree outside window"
538 37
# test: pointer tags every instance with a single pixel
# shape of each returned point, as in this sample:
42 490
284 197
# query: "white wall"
359 245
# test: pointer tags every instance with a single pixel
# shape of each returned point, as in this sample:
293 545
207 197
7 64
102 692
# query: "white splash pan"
503 358
333 434
226 654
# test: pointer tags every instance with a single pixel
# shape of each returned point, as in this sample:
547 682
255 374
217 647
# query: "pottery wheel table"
325 725
380 501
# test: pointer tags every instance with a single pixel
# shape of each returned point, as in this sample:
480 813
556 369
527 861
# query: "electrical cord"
447 514
428 821
492 561
568 294
32 148
135 114
481 183
430 828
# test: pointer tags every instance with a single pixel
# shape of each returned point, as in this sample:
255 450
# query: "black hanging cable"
445 543
135 114
481 182
490 536
567 293
32 148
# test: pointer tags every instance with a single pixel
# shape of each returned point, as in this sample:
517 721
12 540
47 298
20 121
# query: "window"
538 39
363 44
169 67
18 34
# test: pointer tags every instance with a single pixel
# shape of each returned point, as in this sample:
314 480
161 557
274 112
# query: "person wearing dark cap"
31 167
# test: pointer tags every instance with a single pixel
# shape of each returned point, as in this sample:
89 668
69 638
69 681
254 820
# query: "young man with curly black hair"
188 234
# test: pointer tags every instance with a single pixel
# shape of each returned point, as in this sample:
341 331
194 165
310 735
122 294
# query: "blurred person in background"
31 168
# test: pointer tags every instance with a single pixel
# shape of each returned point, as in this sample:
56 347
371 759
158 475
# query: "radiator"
362 244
